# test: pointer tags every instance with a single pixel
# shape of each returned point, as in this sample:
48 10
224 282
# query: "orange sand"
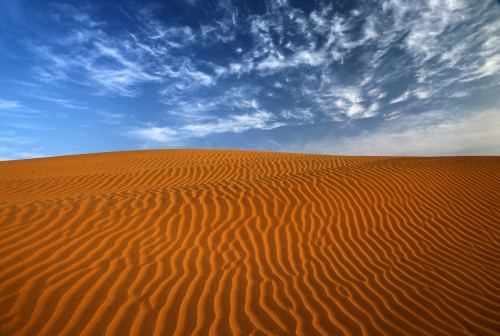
237 242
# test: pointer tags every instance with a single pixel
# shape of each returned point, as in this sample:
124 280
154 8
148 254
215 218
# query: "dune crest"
219 242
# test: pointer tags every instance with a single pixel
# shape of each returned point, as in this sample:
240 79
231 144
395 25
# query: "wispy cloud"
17 140
158 134
401 98
445 43
113 64
237 69
111 118
63 102
240 98
23 83
117 64
430 133
16 154
234 124
13 108
302 114
7 104
30 126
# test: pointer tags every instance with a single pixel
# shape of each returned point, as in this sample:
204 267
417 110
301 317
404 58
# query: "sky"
365 77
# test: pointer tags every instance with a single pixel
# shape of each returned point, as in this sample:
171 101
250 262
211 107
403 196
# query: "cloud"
15 154
17 140
490 67
63 102
222 31
240 98
118 63
31 127
303 57
111 118
158 134
387 62
285 43
427 48
401 98
86 20
445 43
12 108
348 101
187 76
112 67
302 114
29 155
81 35
76 14
7 104
232 124
429 134
288 38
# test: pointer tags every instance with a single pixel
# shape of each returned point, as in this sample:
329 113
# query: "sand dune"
214 242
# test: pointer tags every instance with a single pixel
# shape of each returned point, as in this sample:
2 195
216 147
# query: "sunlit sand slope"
213 242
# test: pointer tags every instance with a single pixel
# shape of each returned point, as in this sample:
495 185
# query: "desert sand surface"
219 242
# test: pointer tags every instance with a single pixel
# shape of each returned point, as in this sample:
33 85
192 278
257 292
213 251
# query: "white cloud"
122 76
111 118
118 64
348 101
120 81
175 37
429 134
85 19
219 32
350 94
112 66
288 38
354 110
8 104
490 67
445 42
240 99
10 108
63 102
232 124
33 127
278 61
342 66
79 15
372 110
49 75
401 98
422 93
459 94
188 75
159 134
17 140
16 154
304 114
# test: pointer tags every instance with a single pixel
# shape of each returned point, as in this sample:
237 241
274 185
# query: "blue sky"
392 77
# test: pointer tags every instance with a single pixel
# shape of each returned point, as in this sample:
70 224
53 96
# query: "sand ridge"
219 242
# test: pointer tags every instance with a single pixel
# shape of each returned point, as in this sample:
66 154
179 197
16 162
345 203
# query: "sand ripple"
238 242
